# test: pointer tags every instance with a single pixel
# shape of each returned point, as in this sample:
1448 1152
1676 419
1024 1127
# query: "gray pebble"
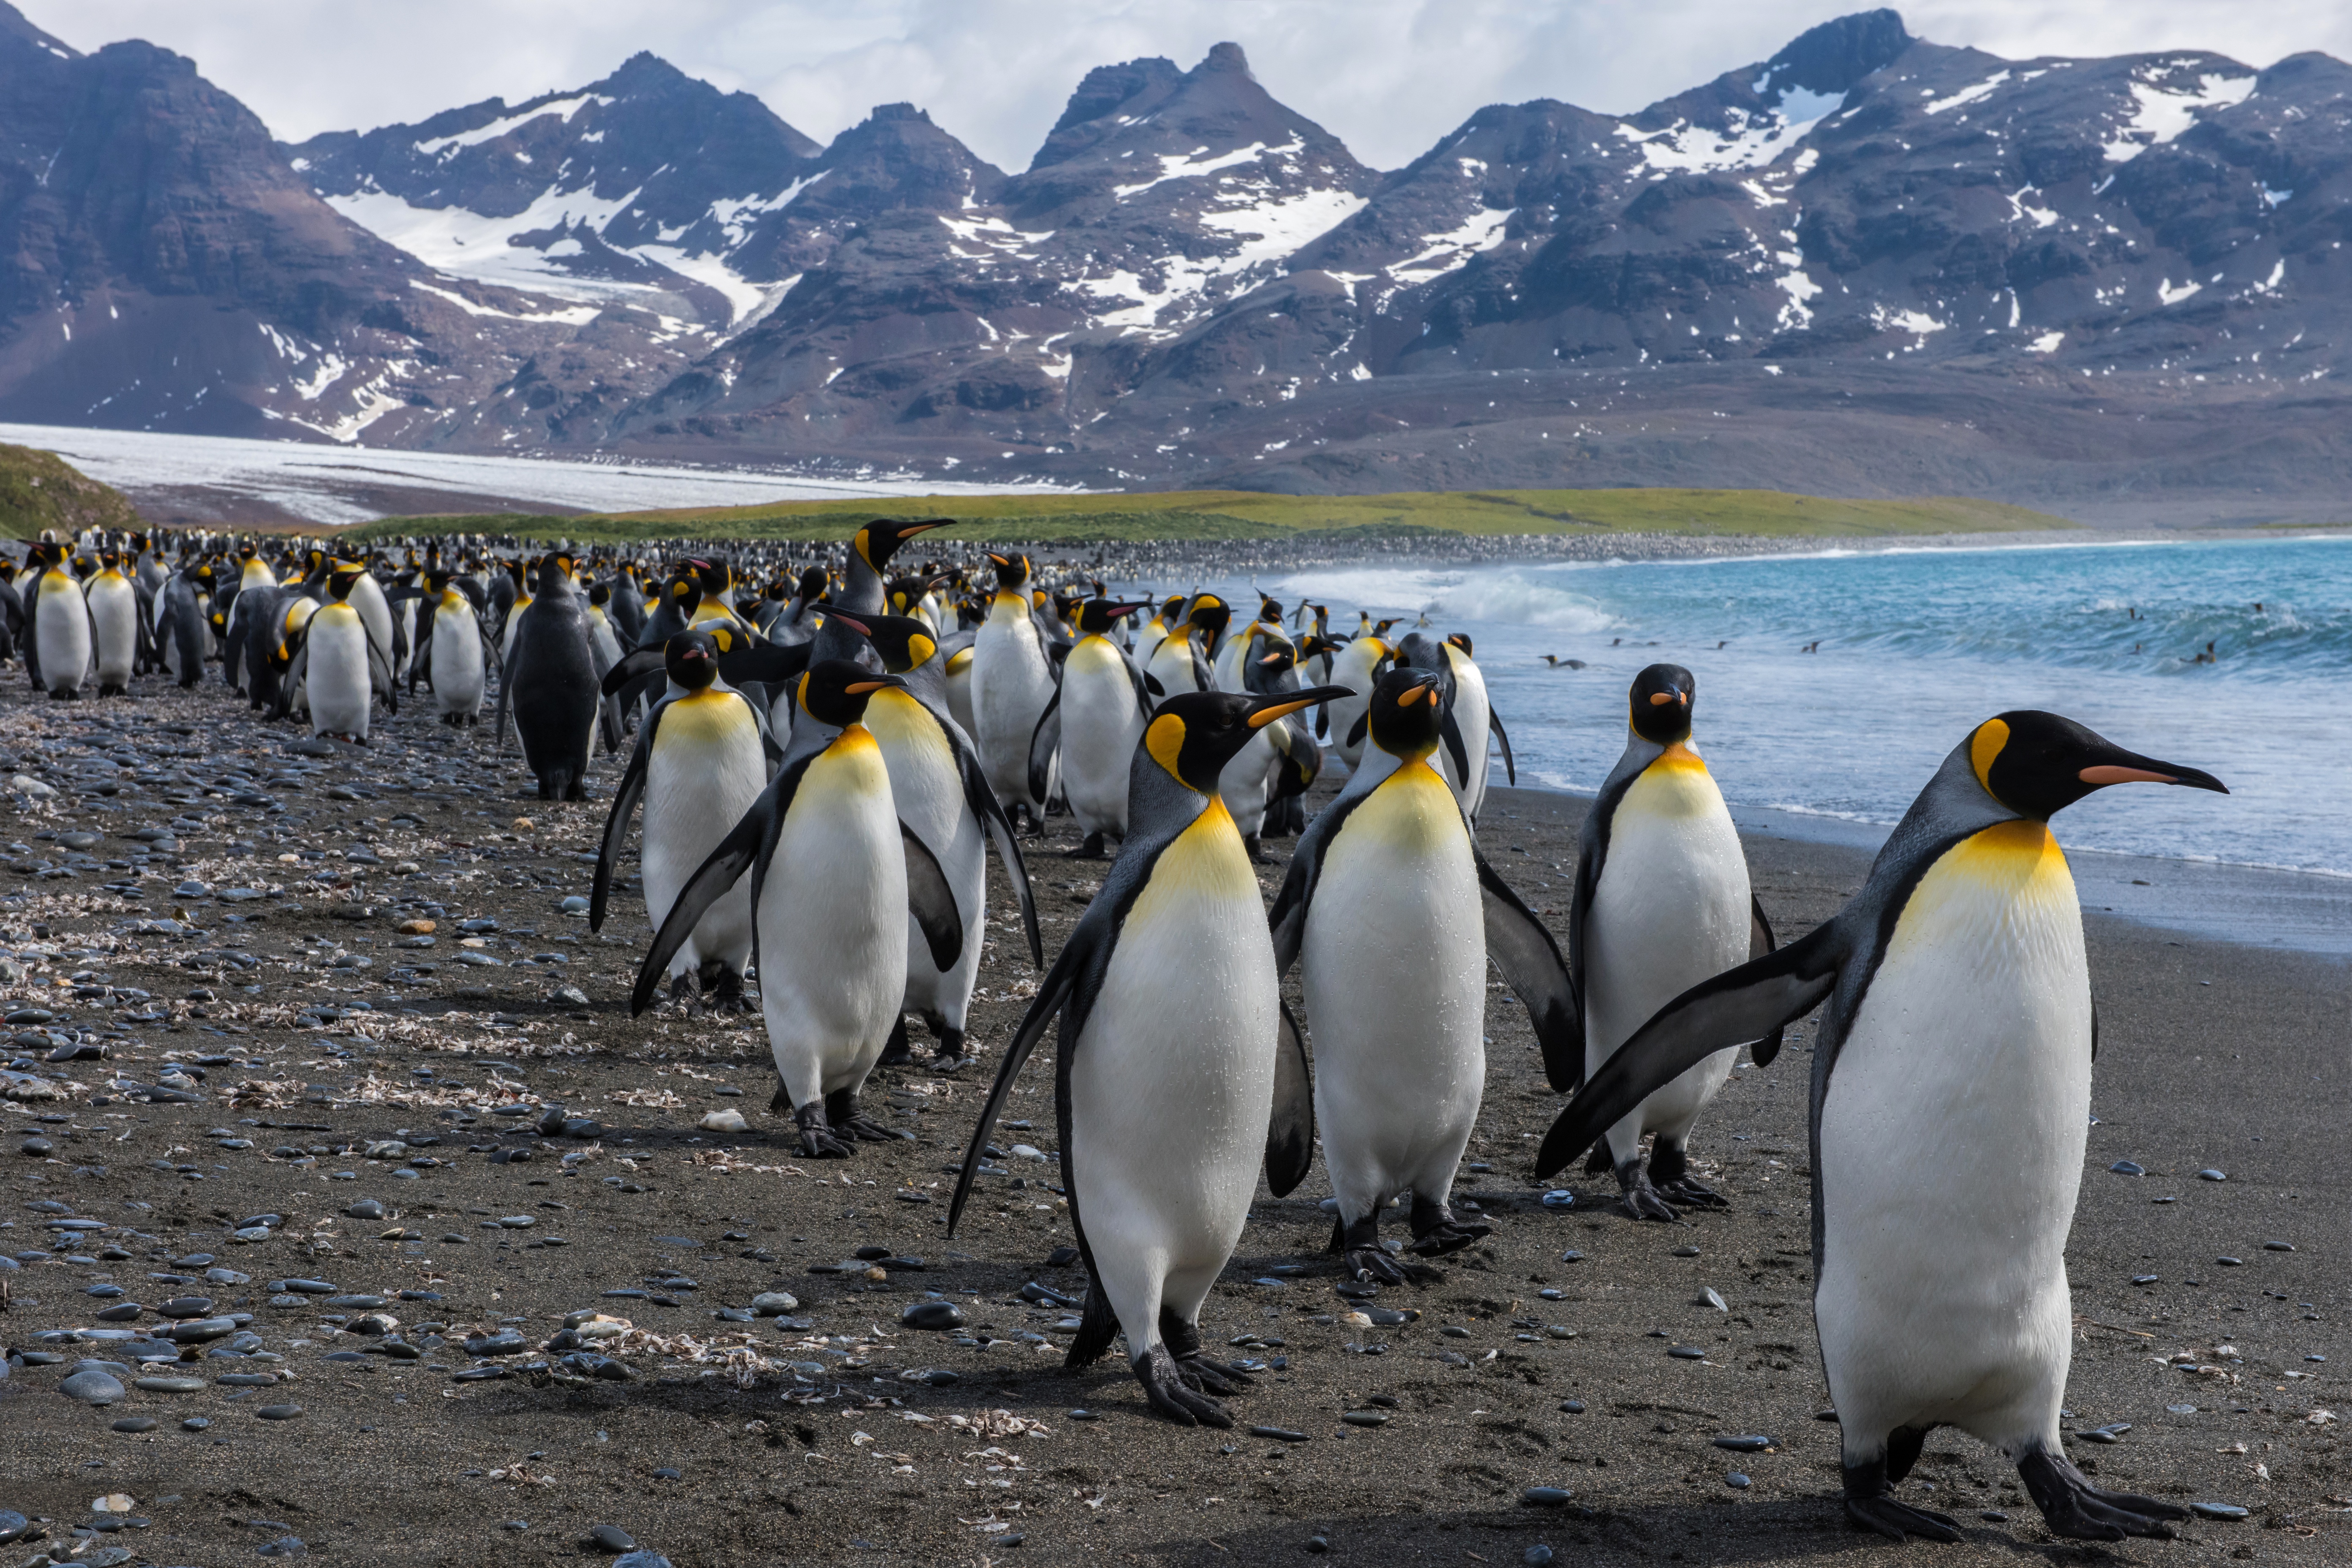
612 1538
279 1412
91 1387
135 1424
641 1560
933 1315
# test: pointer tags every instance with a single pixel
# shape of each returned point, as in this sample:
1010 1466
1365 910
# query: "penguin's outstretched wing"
616 821
982 802
1051 995
631 667
744 848
1735 1007
1290 1134
1044 742
1288 917
1523 949
932 901
1760 941
1494 724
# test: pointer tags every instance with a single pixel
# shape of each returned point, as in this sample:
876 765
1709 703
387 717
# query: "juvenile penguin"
1090 728
700 763
1952 1084
114 624
1396 1003
829 934
1011 681
1662 902
1178 1072
59 634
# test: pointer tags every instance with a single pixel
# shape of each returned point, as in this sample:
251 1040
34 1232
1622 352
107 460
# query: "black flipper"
1528 957
1205 675
1735 1007
644 661
1051 993
506 692
1362 725
737 852
1494 723
1287 920
769 664
616 822
1290 1135
1760 941
982 801
1151 684
1044 742
1451 733
932 901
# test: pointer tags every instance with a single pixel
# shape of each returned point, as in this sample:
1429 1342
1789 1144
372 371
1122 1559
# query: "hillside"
41 491
1188 515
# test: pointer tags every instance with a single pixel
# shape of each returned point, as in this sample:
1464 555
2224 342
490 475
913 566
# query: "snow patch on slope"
2164 112
447 147
1448 252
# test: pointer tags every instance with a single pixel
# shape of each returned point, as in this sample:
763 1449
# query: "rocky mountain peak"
1830 59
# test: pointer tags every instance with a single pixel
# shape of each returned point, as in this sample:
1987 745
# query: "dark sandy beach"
831 1435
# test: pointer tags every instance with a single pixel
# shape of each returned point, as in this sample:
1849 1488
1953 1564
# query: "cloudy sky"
1388 76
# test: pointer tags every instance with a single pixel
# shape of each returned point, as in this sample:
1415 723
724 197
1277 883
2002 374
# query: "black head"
2039 763
1462 641
1405 712
692 659
880 540
1210 614
1316 643
905 642
1098 615
1195 735
813 583
1381 628
1269 610
1169 607
1659 707
344 579
835 690
1012 572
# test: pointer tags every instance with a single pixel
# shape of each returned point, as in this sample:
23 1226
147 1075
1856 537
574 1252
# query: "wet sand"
2212 1056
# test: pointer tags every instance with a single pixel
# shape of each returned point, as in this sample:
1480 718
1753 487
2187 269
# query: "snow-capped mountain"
1867 263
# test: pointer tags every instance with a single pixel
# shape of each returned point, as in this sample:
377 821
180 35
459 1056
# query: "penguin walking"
1180 1072
59 637
1012 682
340 662
1397 1005
1662 902
114 624
1950 1105
700 763
944 801
829 936
551 683
1089 729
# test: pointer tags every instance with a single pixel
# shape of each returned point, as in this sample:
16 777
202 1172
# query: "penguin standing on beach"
56 632
1662 902
1089 729
1011 681
340 663
1356 667
1397 1004
700 763
114 623
1180 1073
1950 1106
457 654
1181 661
551 683
833 877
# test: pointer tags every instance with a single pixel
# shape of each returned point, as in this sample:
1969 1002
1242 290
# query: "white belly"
1393 964
1101 726
1951 1150
1010 684
114 625
1246 781
458 673
706 770
928 792
1171 664
1672 909
833 923
335 681
1470 717
61 633
1172 1086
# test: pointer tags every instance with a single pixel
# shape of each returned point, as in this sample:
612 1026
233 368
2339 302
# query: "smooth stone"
1685 1251
641 1560
1538 1556
1686 1352
1738 1482
91 1387
1571 1408
279 1412
2128 1168
135 1424
195 1424
1279 1434
2278 1247
2227 1511
933 1315
774 1303
1366 1418
161 1385
2209 1175
1545 1497
612 1538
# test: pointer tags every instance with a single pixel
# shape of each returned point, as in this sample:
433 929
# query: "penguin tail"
1097 1328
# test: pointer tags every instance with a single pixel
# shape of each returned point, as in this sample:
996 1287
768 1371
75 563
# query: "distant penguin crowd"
818 747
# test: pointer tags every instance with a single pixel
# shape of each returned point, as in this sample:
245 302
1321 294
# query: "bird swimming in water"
1557 662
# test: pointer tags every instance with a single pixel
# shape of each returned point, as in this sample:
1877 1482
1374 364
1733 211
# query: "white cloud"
1389 77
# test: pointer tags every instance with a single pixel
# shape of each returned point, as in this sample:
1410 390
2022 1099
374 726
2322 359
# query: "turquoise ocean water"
1914 646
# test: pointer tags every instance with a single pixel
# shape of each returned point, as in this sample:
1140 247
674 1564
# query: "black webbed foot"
1641 1200
1256 849
2071 1507
1436 1232
896 1051
1214 1377
726 991
818 1140
841 1110
1163 1384
1694 1194
950 1054
685 993
1671 1178
1359 1242
1900 1521
1091 849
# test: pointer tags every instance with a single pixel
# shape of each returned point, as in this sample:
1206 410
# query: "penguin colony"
822 758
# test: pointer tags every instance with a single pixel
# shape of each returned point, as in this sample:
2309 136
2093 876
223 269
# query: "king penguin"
1090 728
1180 1073
1011 681
59 636
829 936
1662 902
340 662
1356 667
1397 1004
699 762
550 682
114 623
1950 1106
457 654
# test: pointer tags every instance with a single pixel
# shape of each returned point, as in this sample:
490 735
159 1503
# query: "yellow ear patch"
724 638
1984 747
919 649
1165 741
800 693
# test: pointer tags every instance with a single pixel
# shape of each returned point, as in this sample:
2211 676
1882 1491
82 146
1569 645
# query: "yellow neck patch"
1984 748
1680 756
